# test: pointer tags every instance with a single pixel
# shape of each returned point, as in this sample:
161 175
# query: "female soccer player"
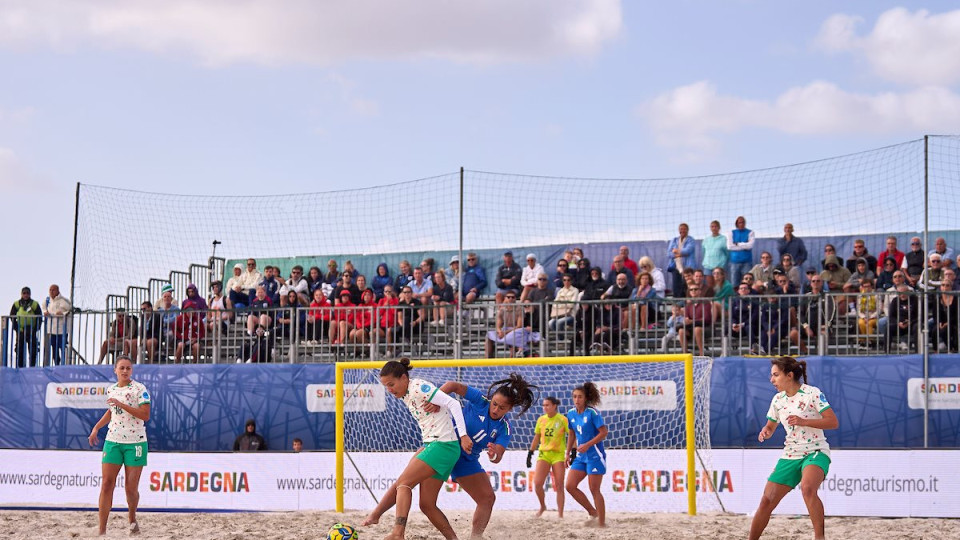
487 427
126 441
585 450
804 412
550 436
440 452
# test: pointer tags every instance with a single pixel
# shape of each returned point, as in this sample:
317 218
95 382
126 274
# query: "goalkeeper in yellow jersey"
550 437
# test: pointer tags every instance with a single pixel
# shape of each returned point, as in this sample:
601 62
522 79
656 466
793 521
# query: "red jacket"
189 326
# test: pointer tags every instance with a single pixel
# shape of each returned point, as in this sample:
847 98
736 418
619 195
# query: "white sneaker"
942 347
903 346
442 322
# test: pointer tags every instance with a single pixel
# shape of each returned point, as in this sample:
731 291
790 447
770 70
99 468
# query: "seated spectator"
508 326
193 296
829 250
349 269
674 324
861 272
474 280
659 283
535 312
422 286
697 319
441 297
387 324
219 306
745 317
889 293
582 275
120 335
346 284
947 322
903 316
508 277
700 279
411 318
811 273
887 269
361 282
860 252
291 320
528 276
318 318
270 284
794 247
629 263
332 277
168 313
578 254
590 309
363 322
250 440
715 254
260 318
950 275
754 286
239 296
946 254
619 267
763 272
621 289
647 303
429 266
343 317
722 292
298 284
188 331
404 277
914 261
815 315
452 274
932 276
868 309
563 269
774 322
564 306
608 335
790 270
314 280
835 277
784 288
891 252
151 332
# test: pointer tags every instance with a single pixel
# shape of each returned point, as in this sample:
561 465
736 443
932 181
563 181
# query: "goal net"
657 409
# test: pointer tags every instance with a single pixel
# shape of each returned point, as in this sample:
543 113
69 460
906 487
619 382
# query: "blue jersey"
586 425
481 428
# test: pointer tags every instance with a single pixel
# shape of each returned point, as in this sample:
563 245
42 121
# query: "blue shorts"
593 462
465 467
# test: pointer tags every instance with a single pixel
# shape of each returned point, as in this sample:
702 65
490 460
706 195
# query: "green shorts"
130 454
441 456
552 457
788 472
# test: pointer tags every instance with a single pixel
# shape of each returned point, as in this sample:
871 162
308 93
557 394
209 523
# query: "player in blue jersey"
487 426
587 457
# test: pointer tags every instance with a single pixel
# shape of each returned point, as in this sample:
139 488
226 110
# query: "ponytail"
396 368
788 364
517 391
590 392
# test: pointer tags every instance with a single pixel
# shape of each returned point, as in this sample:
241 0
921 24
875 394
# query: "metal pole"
926 329
73 274
458 346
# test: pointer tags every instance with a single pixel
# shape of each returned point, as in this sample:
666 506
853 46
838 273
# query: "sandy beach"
507 524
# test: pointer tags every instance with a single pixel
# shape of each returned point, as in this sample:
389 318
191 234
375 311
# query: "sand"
506 524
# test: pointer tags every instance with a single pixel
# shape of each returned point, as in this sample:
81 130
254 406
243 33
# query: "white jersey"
124 427
808 402
433 426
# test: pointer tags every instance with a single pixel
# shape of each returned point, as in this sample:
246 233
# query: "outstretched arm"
454 387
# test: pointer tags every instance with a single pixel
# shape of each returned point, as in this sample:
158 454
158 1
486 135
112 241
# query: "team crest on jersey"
424 387
493 434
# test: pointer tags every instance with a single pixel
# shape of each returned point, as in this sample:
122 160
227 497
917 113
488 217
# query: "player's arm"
601 435
104 420
828 420
452 405
571 446
767 430
454 387
142 411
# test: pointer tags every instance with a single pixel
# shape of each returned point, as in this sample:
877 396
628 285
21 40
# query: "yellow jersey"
553 433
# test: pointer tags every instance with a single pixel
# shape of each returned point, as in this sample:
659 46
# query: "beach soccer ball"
342 531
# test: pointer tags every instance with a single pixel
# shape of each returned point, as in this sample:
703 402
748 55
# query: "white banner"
637 395
357 398
893 483
77 395
942 392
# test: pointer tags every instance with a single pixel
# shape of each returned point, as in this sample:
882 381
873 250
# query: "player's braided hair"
788 364
590 392
396 368
517 391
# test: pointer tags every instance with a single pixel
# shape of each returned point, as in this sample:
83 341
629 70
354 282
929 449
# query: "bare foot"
592 522
370 521
393 536
541 511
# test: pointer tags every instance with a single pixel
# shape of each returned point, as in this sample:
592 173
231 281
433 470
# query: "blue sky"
256 97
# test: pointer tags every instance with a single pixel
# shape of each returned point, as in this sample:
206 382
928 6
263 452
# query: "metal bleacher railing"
835 324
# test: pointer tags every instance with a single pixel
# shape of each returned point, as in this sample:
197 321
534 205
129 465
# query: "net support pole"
68 349
339 430
458 344
926 297
691 435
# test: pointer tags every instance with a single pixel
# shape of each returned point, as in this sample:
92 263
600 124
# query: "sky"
259 97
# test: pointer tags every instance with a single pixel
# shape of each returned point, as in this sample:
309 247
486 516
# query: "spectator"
763 271
835 277
627 262
756 287
680 253
903 316
740 245
891 251
621 289
810 275
793 246
411 316
56 311
297 444
790 269
932 276
608 335
860 251
948 317
956 265
659 284
815 315
314 280
188 330
346 284
380 280
298 284
219 306
535 312
474 280
898 278
332 277
528 277
168 312
26 316
422 286
344 317
868 310
950 275
236 288
452 274
404 277
715 254
260 319
361 286
701 279
508 277
674 324
887 269
722 292
774 322
193 296
387 325
829 250
564 306
914 261
563 269
590 313
151 332
697 319
292 319
348 268
946 253
620 268
251 278
250 440
861 272
582 275
318 318
578 254
441 297
646 296
271 284
363 320
122 330
788 297
509 321
745 317
428 266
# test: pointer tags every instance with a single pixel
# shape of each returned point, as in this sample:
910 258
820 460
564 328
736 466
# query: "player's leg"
132 487
812 477
773 493
429 491
478 487
595 481
109 472
386 502
558 473
417 471
540 472
574 477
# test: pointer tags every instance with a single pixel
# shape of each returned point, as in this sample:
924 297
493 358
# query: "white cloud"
219 32
912 48
689 119
358 104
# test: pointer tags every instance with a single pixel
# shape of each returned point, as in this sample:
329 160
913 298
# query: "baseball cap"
454 259
238 265
811 271
508 254
531 256
346 292
166 288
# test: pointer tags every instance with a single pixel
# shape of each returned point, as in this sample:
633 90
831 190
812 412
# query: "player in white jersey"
805 413
126 441
441 450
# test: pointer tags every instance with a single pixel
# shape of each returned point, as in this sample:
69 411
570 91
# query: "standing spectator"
442 295
627 262
619 267
297 283
829 250
946 253
762 272
790 244
659 283
860 251
26 316
474 280
508 277
891 251
715 254
740 245
563 269
332 277
404 277
452 274
528 277
57 311
238 295
914 261
151 331
422 286
680 252
250 440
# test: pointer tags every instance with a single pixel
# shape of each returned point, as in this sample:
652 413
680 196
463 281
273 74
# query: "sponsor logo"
356 398
637 395
941 392
675 481
77 395
199 482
